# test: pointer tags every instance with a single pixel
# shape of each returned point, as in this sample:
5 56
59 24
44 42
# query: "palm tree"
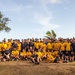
53 33
50 34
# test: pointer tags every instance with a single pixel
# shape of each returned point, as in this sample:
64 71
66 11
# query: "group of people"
36 50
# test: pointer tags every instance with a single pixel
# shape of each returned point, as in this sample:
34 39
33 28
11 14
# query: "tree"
50 34
53 33
3 23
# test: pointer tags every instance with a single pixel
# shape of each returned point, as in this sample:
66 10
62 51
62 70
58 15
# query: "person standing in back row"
73 46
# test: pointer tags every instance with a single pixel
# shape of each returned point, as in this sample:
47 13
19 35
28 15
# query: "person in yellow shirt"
44 47
23 54
9 44
49 45
3 47
44 55
39 53
40 44
62 47
52 53
50 58
36 45
55 53
56 45
48 52
15 54
68 46
29 54
18 45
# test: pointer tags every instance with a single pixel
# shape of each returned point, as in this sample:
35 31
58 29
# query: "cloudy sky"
33 18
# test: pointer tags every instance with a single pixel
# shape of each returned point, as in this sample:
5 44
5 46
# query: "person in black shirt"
73 45
6 56
31 44
24 45
34 58
14 44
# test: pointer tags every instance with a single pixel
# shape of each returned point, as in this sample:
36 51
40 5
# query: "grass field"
28 68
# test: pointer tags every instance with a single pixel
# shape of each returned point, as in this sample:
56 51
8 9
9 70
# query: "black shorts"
72 55
34 56
60 54
69 52
67 55
74 50
2 52
63 52
56 60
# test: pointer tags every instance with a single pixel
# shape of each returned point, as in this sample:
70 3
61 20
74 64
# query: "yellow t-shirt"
53 46
15 52
23 54
44 46
40 44
68 46
9 45
18 46
55 53
52 53
4 47
48 53
39 54
29 54
62 47
43 53
36 45
49 46
50 57
56 46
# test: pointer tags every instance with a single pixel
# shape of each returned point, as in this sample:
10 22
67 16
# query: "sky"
33 18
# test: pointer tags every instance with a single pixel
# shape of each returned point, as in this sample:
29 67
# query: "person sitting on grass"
29 54
44 55
39 53
23 54
6 56
58 60
15 54
35 58
50 58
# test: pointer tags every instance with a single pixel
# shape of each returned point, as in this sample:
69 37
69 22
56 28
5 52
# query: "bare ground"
28 68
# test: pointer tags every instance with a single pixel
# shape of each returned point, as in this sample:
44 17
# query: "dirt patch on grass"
28 68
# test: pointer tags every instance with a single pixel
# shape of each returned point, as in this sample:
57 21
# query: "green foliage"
50 34
54 34
3 23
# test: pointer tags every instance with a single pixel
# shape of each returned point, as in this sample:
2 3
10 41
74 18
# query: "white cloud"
14 7
18 8
45 22
53 1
